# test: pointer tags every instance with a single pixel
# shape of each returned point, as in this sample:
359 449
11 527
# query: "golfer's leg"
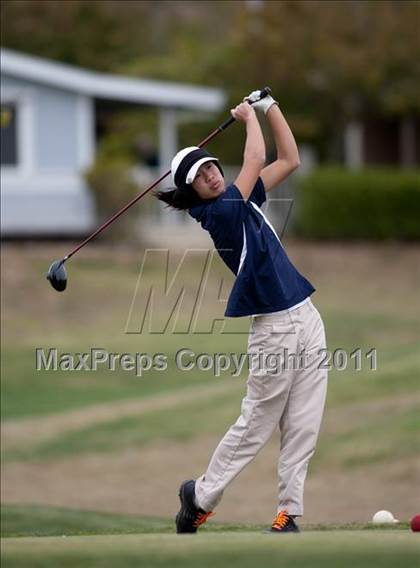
261 410
301 420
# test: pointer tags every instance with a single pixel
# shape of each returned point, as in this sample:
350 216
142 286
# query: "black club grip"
264 93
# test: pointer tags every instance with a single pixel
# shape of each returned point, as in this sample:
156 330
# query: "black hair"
180 198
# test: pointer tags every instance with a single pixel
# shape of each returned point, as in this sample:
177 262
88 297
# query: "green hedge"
335 203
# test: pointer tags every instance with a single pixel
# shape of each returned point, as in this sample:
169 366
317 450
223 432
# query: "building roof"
109 86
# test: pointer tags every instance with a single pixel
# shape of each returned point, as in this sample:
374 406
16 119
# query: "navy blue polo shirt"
266 280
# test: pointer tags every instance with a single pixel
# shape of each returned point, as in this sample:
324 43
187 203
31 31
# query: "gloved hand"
261 104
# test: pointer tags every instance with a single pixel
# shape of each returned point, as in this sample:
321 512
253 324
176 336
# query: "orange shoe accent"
280 520
202 518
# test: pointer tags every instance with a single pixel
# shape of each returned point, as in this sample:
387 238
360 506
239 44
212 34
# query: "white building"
48 137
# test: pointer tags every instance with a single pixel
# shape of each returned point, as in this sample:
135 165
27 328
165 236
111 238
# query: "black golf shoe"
284 523
189 517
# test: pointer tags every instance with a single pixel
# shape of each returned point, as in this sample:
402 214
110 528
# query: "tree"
326 60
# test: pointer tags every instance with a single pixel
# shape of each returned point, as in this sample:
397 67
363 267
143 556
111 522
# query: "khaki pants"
285 388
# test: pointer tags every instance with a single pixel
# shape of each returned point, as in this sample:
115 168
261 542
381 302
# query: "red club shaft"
264 92
133 201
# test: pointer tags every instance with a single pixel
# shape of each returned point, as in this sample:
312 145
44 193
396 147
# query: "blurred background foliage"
326 61
372 204
103 179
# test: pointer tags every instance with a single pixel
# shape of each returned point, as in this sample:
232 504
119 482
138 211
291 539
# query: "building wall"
45 193
56 135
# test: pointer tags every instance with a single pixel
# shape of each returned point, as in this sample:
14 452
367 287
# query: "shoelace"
281 520
202 518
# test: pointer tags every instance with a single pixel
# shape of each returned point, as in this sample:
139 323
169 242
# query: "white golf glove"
262 105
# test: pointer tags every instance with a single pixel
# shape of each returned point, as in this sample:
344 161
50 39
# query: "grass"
213 414
234 550
28 392
82 317
37 520
371 439
359 297
48 537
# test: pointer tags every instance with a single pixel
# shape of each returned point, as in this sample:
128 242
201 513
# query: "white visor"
194 169
189 178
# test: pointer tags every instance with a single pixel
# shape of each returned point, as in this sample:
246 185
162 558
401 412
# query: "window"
8 122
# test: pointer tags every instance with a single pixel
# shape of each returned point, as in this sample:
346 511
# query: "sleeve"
258 195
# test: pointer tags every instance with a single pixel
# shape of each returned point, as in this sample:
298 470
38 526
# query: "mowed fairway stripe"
17 433
245 550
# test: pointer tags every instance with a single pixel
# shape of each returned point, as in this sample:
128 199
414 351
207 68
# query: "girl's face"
209 182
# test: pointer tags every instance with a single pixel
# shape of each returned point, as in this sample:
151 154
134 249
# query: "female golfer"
286 327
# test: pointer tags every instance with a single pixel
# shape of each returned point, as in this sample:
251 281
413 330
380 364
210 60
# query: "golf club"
57 274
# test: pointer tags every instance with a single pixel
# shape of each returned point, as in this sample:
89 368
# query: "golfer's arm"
287 151
254 158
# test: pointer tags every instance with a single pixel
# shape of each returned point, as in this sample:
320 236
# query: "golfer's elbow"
294 158
294 163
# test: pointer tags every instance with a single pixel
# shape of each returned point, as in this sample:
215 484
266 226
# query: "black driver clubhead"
57 275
